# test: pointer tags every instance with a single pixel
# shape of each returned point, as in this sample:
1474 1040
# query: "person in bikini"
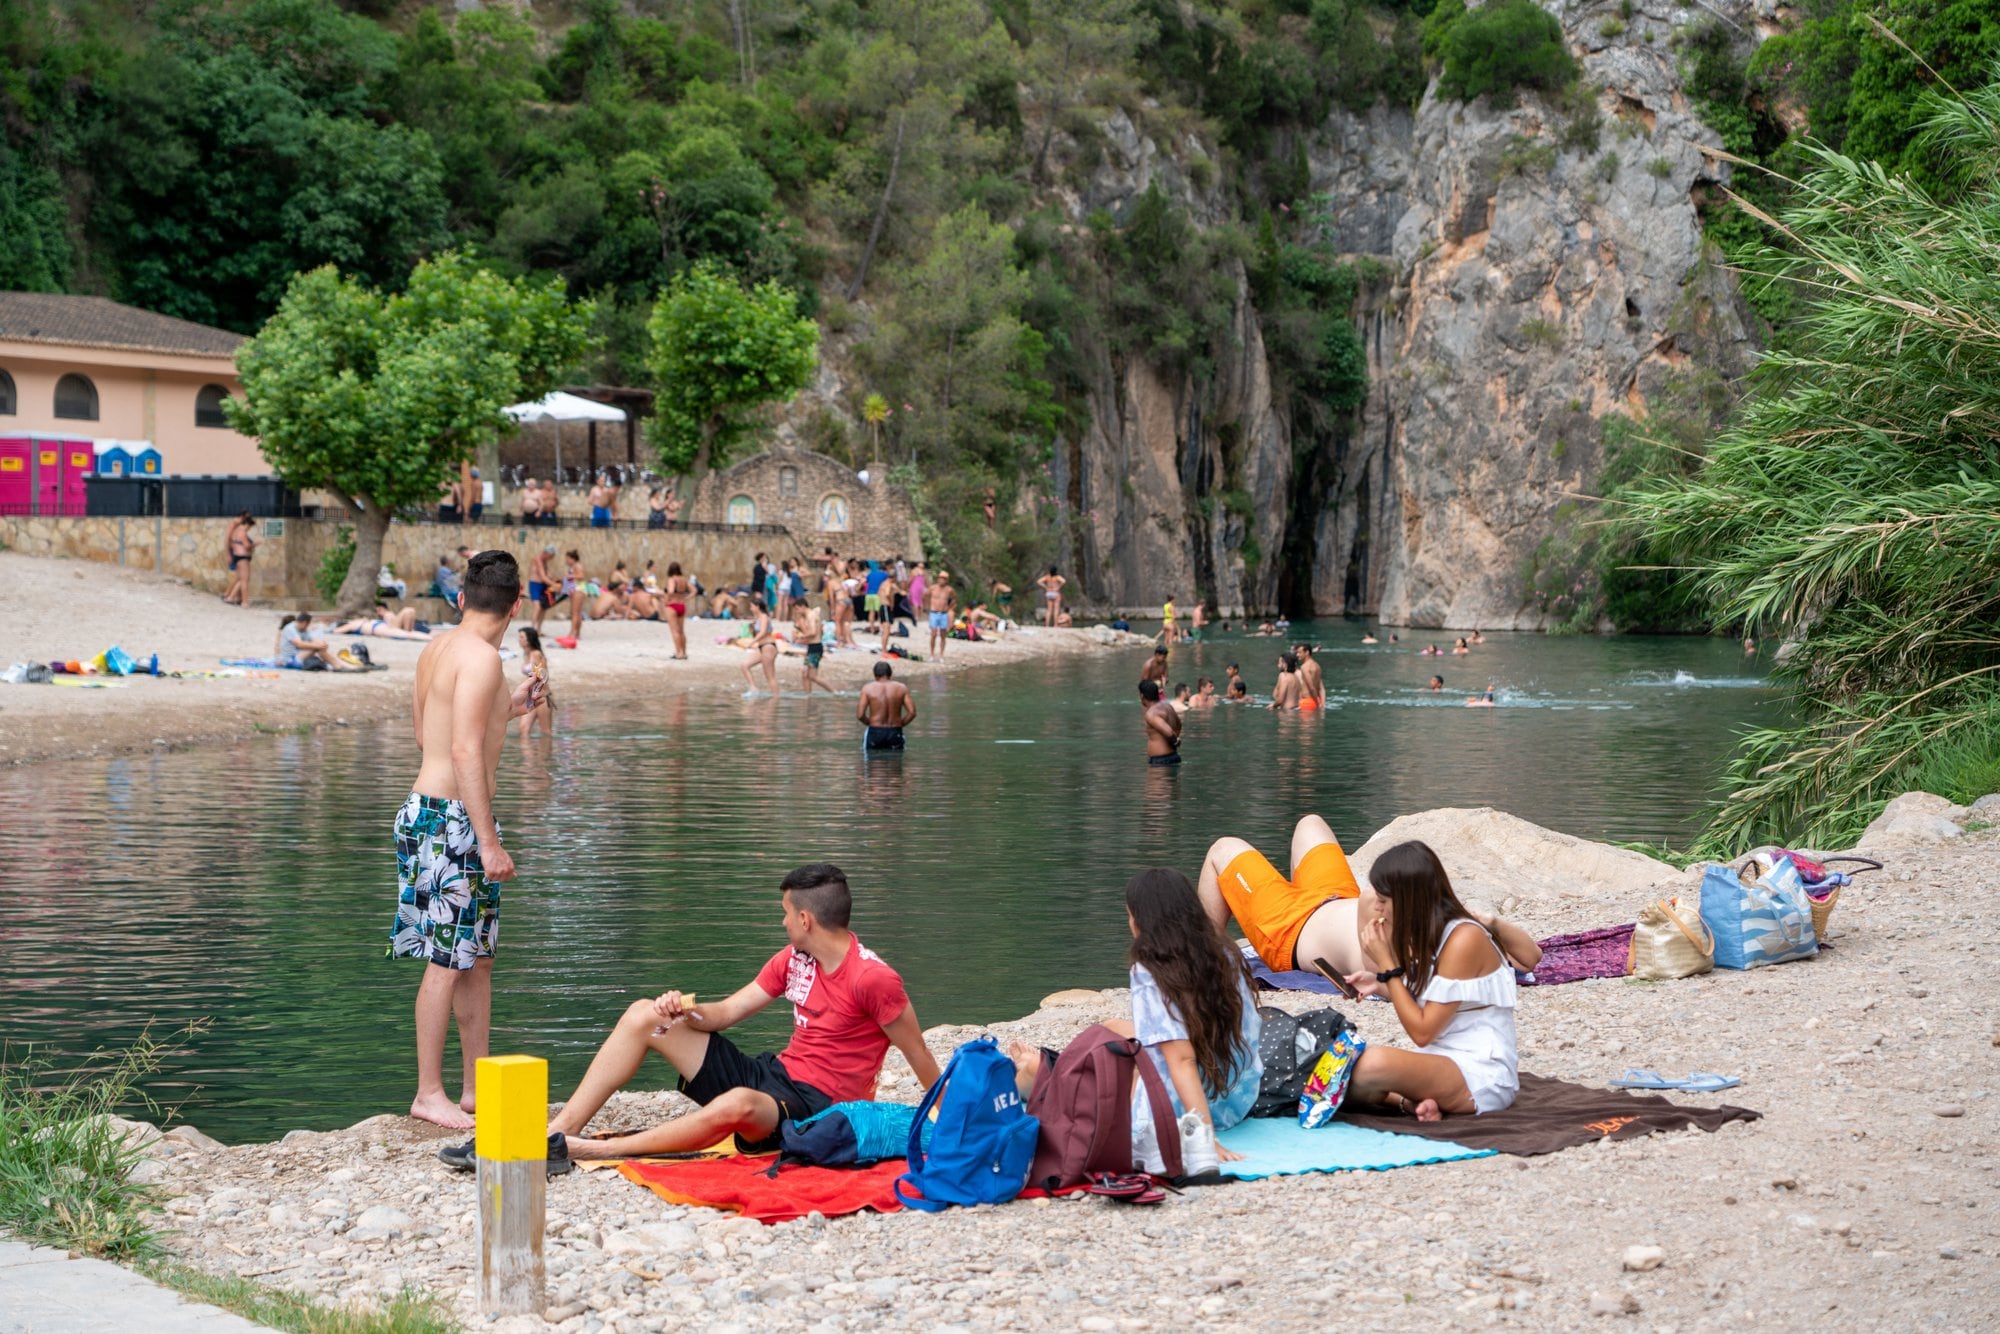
1316 912
848 1008
762 646
1163 726
885 709
535 663
449 859
1052 591
674 594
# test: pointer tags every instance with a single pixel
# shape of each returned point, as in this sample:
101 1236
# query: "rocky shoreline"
1863 1198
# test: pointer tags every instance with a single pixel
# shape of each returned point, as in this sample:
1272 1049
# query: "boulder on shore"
1515 865
1915 819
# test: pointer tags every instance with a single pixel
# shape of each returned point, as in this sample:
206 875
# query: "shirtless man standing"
1163 726
449 862
603 502
239 544
1312 685
885 710
1316 914
1287 692
1155 669
810 634
539 580
942 599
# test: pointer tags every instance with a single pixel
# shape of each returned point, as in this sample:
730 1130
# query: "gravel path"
1864 1199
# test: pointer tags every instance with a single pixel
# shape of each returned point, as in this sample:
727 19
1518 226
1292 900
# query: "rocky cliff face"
1545 276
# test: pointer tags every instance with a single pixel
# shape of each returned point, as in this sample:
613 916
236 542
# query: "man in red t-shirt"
847 1007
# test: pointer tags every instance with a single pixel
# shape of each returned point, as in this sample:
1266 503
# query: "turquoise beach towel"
1275 1146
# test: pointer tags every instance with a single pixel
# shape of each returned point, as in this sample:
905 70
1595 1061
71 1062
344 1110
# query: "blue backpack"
984 1140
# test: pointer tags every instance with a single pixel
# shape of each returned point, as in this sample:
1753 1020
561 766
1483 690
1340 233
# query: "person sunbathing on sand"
386 624
1316 913
1192 1010
1453 990
848 1007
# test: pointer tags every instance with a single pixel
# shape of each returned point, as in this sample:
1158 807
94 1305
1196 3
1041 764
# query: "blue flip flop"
1643 1079
1700 1081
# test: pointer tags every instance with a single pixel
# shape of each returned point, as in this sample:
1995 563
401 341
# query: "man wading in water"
1163 726
885 709
449 862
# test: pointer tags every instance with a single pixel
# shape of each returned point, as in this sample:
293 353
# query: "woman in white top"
1453 990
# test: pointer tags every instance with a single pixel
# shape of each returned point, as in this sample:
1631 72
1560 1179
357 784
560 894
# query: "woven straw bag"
1665 947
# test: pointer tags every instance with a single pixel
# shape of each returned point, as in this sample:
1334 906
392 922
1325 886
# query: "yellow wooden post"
512 1146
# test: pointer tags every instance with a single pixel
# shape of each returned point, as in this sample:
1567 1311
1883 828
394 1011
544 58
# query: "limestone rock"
1914 819
1986 808
1490 854
193 1138
1071 996
383 1220
1643 1259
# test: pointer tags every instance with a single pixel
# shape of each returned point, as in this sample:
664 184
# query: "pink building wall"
140 396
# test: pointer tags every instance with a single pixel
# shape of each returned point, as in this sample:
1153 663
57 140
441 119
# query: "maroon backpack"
1084 1103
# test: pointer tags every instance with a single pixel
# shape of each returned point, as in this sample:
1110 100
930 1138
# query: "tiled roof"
94 321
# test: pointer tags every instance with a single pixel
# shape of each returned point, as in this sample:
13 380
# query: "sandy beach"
65 609
1862 1199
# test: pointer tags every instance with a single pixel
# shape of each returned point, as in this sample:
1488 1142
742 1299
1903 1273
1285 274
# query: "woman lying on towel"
1192 1011
386 624
1452 987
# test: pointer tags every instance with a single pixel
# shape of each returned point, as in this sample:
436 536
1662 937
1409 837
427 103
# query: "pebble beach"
1863 1197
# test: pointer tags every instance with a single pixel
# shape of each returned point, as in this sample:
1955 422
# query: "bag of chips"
1327 1085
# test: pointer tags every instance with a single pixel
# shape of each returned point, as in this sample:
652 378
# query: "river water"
253 884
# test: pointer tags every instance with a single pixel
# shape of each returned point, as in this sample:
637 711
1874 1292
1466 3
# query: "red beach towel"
740 1185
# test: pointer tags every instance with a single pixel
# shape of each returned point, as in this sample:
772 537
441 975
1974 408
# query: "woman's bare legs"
1429 1086
678 624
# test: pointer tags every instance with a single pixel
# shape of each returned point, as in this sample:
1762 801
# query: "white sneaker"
1198 1154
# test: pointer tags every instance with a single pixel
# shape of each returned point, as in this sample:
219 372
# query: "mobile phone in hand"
1340 984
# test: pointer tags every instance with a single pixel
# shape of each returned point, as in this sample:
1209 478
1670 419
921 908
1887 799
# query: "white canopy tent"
559 408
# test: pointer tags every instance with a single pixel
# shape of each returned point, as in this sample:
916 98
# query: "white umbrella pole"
558 451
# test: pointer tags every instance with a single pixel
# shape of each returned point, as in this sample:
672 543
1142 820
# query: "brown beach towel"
1550 1114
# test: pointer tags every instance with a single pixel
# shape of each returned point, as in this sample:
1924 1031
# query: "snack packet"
1327 1085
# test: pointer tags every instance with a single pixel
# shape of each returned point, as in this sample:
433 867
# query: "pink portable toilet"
15 495
79 460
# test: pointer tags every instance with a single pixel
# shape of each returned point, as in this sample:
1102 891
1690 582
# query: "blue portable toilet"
113 459
146 461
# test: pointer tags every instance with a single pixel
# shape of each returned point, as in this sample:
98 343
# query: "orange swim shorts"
1308 703
1273 910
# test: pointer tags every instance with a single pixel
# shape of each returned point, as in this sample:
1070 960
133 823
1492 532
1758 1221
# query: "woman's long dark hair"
534 637
1412 878
1196 966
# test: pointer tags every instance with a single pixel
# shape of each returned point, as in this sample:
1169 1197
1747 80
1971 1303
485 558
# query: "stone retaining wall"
289 550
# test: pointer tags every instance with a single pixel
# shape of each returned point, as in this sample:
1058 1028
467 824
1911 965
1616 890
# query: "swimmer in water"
1312 685
1155 669
1485 701
1460 647
1437 683
1163 726
1368 637
1287 692
1182 700
1204 692
1238 692
1233 677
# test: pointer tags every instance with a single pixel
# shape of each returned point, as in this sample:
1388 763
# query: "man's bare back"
887 704
461 695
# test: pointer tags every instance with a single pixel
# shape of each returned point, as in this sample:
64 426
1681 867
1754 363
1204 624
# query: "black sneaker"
464 1157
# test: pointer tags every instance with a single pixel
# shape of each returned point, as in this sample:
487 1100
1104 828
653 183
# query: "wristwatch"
1389 976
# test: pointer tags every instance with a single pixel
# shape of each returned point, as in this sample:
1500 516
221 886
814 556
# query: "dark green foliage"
34 246
1502 46
1169 286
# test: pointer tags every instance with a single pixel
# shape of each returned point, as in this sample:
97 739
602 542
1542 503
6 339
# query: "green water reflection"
254 883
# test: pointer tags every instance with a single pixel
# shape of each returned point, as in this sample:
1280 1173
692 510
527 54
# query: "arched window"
788 481
742 509
208 406
8 406
76 398
833 513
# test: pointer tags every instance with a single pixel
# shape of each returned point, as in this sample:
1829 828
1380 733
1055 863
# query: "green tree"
721 350
34 242
378 398
1501 46
1850 510
1072 39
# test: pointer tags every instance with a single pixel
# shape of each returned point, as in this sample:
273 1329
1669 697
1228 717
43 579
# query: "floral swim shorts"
447 911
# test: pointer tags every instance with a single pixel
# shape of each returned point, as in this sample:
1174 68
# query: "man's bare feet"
440 1110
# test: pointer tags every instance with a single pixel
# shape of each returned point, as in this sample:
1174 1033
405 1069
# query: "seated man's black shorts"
725 1067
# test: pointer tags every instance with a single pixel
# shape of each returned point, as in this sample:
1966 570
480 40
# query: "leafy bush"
1541 332
334 564
1502 46
1660 168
